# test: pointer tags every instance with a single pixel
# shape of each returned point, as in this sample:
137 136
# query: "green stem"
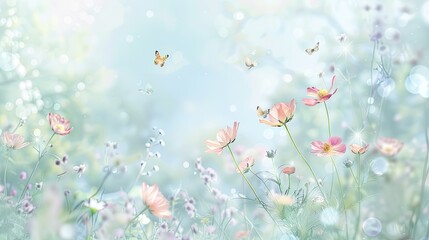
424 177
132 220
329 121
41 154
288 188
245 178
96 192
251 187
306 162
262 180
359 200
5 177
342 195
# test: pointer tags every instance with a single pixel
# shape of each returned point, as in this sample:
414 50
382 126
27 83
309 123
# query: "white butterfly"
313 50
261 112
148 90
249 63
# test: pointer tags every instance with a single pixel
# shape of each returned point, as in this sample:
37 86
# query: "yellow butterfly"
261 112
160 60
249 63
313 50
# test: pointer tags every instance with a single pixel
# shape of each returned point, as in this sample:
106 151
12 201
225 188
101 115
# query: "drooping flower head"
155 201
331 147
245 165
13 140
223 138
320 95
59 125
280 114
358 149
389 146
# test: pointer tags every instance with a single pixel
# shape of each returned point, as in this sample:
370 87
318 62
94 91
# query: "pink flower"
358 149
13 140
223 139
332 146
280 114
245 165
241 234
389 146
155 201
59 125
289 170
320 95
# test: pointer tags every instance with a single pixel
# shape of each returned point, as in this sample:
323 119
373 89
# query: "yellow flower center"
322 93
59 128
327 147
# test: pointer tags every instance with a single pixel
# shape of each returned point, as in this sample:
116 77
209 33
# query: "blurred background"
92 61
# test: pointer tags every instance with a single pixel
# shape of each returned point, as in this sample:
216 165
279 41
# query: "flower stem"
132 220
329 121
359 200
96 192
41 154
245 178
251 187
424 177
288 178
306 162
342 195
5 175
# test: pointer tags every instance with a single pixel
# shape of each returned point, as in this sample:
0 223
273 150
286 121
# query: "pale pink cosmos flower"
358 149
14 141
389 146
155 201
280 114
245 165
59 125
332 146
223 139
320 95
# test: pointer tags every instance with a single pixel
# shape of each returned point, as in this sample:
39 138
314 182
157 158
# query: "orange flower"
155 201
59 125
289 170
223 139
14 141
358 149
280 114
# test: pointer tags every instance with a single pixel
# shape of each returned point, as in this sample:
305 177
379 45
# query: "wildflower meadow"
246 119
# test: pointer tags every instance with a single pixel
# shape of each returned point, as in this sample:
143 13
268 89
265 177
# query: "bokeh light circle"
8 61
379 166
417 81
372 227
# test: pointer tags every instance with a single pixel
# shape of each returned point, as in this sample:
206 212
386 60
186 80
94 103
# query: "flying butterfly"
148 90
313 50
160 60
261 112
249 63
342 38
